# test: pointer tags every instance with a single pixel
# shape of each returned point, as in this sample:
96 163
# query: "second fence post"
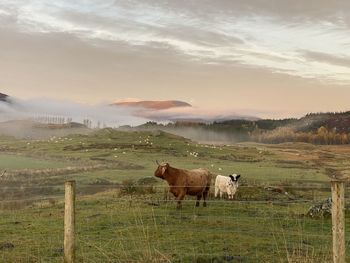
338 221
69 222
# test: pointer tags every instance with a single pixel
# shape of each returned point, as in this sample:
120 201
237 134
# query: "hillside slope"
318 128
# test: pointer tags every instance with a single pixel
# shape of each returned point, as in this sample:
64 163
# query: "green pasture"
119 219
143 228
14 162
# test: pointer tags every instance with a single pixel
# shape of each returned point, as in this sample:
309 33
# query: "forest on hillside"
315 128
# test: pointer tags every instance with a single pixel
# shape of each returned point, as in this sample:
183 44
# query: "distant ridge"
155 105
4 97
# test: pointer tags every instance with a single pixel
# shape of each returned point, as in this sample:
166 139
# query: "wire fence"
140 223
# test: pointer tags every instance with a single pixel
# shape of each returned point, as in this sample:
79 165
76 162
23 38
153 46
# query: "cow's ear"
237 177
164 168
232 178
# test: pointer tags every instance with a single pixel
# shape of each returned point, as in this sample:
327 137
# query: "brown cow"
185 182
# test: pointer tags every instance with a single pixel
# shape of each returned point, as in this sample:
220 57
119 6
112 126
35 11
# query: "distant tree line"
284 134
316 128
52 119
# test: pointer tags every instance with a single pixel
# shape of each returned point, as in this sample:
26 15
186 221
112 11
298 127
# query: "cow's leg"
221 194
205 195
179 198
198 199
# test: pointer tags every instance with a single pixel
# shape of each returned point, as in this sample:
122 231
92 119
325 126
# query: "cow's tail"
212 177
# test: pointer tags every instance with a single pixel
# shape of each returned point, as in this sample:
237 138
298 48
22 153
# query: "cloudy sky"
269 58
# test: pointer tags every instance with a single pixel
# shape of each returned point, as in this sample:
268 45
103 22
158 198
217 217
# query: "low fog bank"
193 114
198 134
206 136
32 118
27 129
23 119
41 118
43 109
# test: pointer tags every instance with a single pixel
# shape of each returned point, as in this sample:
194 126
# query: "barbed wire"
139 198
277 186
152 197
46 198
216 231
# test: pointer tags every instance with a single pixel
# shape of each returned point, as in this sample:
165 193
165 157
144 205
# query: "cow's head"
161 170
234 177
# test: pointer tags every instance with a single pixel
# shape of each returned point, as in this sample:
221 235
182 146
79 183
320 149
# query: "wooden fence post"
338 221
69 222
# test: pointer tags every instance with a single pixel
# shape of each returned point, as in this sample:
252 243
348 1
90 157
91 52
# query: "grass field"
125 216
11 162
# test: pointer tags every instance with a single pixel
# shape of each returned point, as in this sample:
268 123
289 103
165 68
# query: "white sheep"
226 184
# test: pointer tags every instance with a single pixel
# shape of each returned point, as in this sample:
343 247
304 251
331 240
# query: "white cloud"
268 40
4 13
